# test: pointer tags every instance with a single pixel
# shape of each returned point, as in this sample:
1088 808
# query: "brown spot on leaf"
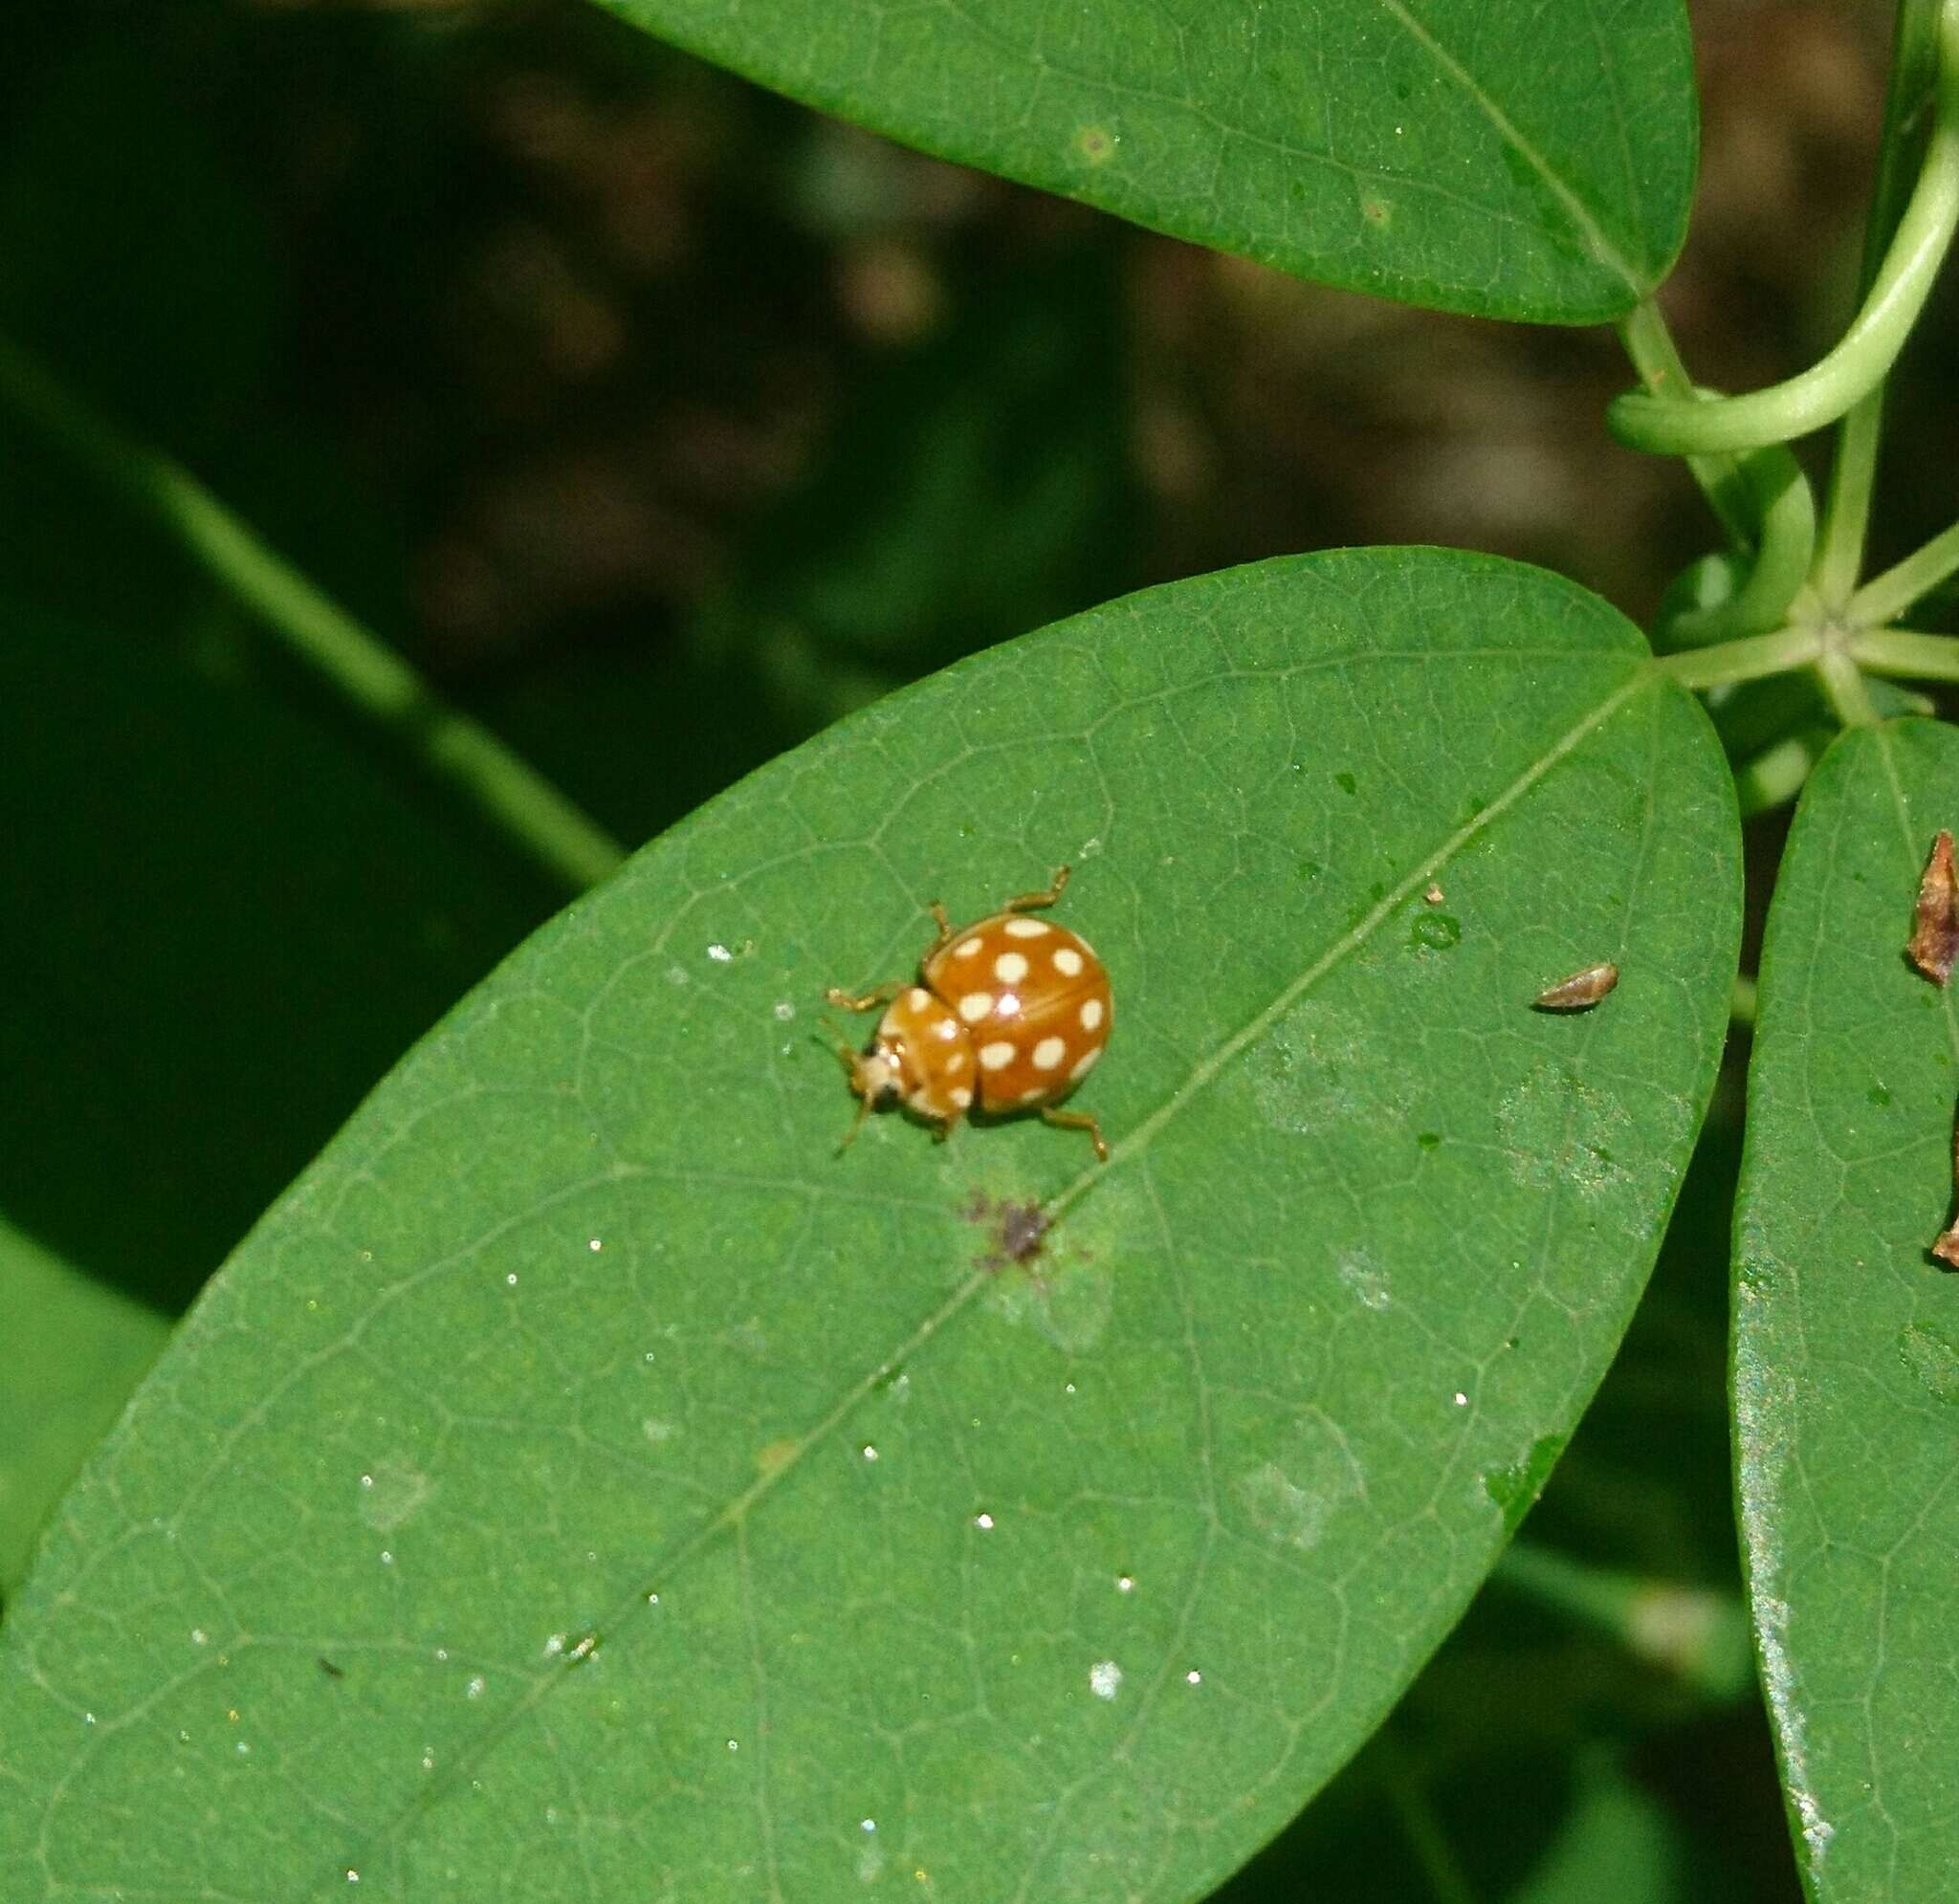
1945 1246
1016 1228
1935 942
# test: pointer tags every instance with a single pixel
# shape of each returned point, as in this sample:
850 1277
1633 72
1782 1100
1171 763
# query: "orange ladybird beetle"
1007 1015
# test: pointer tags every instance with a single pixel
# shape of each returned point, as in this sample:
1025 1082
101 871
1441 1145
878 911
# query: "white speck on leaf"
1105 1678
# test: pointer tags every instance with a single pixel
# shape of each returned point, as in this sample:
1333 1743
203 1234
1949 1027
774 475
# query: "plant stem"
369 675
1700 1636
1842 685
1748 659
1787 511
1904 652
1913 93
1656 357
1426 1837
1887 595
1857 365
1775 775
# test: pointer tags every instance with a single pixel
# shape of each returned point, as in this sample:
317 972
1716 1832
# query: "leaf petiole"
1885 597
1673 426
1904 652
1752 658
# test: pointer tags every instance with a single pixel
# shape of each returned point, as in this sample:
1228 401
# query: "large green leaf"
1846 1332
1529 163
586 1482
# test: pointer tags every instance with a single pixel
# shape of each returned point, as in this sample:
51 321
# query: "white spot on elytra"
1082 1065
1028 929
1032 1092
975 1006
1105 1678
1091 1014
917 997
961 1096
957 1061
966 948
1066 959
1048 1054
1010 967
996 1056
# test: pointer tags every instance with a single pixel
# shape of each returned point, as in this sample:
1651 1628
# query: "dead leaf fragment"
1935 943
1947 1246
1433 895
1580 991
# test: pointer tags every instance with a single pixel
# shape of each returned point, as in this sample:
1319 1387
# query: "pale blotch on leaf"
775 1455
391 1492
1321 1066
1558 1130
1096 143
1366 1280
1070 1301
1105 1678
1282 1509
1932 1359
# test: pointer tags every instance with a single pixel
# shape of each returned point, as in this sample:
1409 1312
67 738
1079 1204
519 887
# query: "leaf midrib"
734 1516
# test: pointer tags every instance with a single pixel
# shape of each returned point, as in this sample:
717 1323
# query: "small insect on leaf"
1945 1245
1578 992
1935 942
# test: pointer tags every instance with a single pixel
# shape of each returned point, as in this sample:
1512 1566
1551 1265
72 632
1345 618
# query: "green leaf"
1846 1332
1523 163
586 1482
71 1350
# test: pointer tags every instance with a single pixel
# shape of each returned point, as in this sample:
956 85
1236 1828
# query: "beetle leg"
1032 901
883 995
1077 1120
945 932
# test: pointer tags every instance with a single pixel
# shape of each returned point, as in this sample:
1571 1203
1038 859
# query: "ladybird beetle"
1007 1014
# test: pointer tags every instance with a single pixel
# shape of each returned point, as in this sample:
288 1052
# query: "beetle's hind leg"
865 1001
1078 1120
1033 901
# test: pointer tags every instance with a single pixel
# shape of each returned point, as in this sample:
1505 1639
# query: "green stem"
1423 1829
1787 511
1887 597
1904 652
1912 94
1656 357
1774 776
1700 1636
361 668
1857 365
1750 659
1842 685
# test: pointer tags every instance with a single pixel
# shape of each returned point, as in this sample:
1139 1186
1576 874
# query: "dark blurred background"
660 421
